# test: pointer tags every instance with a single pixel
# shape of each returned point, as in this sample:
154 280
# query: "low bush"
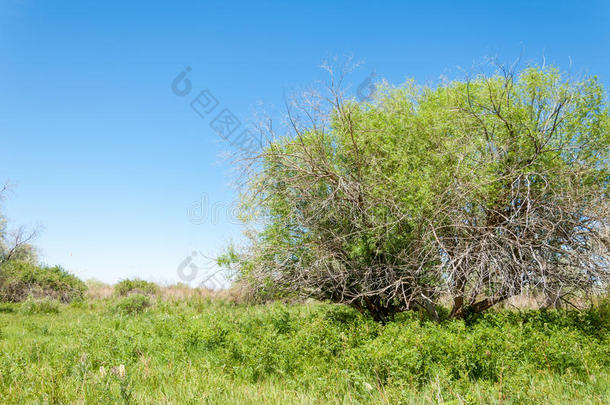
136 286
20 280
594 321
39 306
132 304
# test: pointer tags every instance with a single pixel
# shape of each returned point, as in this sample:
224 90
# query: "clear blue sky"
109 160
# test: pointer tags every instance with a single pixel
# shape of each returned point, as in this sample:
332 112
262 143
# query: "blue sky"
108 160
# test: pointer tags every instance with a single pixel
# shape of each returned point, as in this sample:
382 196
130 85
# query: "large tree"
475 190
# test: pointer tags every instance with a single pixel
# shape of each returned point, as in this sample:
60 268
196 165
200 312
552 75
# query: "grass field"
198 350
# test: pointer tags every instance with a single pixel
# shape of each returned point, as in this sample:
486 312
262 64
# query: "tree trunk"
458 301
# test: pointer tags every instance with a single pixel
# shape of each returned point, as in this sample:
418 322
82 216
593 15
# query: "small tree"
475 189
15 244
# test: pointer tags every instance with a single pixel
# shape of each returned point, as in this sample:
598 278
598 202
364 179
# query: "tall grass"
204 350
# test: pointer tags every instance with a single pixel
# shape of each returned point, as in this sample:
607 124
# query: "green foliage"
132 304
135 286
19 280
210 351
39 306
594 321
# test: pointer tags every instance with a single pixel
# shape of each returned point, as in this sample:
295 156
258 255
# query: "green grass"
39 306
198 351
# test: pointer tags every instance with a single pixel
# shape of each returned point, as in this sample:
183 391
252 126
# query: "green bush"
20 280
133 304
594 321
39 306
136 286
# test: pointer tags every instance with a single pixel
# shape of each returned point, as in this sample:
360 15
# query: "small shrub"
20 280
132 304
40 306
136 286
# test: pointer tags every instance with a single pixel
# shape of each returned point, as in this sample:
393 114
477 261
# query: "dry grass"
98 290
243 294
180 292
176 292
